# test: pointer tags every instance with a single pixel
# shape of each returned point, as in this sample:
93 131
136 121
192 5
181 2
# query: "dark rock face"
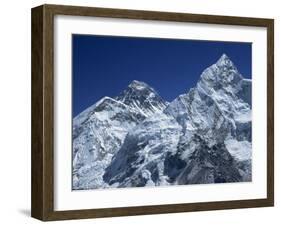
244 131
209 165
173 166
245 93
142 96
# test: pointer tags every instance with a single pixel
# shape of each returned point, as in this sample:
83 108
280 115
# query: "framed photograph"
141 112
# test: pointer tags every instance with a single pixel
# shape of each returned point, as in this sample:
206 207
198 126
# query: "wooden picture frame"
42 203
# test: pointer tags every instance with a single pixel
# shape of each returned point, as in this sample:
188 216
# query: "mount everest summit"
138 139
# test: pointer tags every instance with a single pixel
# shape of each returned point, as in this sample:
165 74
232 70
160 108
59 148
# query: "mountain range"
138 139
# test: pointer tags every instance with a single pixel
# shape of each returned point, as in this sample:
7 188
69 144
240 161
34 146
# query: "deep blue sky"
105 65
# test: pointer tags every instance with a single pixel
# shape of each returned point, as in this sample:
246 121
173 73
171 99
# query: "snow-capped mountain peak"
221 100
138 139
142 97
223 72
224 60
138 85
136 89
99 131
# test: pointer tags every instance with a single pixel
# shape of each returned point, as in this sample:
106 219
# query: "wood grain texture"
43 106
270 111
42 113
37 203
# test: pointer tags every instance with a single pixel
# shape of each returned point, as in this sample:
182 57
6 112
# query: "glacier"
138 139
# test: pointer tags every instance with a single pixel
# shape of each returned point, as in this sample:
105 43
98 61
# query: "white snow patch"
241 150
